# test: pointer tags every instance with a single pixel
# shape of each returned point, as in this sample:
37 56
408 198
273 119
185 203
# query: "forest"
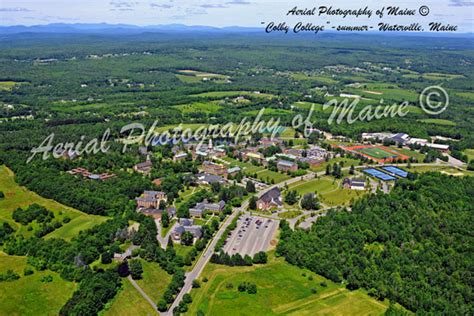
412 246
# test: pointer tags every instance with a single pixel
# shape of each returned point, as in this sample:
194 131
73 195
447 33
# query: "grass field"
154 281
28 295
17 196
281 289
438 122
346 161
128 302
409 153
340 196
289 214
443 169
7 85
320 186
469 153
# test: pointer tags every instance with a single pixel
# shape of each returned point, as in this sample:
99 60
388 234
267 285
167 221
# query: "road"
204 259
163 240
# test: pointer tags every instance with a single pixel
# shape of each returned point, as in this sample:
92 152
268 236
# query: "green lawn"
340 196
438 122
408 152
272 175
281 289
17 196
28 295
154 281
289 214
347 162
320 186
128 302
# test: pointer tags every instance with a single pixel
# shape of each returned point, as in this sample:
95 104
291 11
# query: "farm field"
17 196
224 94
31 296
469 153
281 289
438 122
466 95
7 85
128 302
317 78
199 107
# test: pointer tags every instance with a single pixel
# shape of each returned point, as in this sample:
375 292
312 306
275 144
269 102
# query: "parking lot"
252 234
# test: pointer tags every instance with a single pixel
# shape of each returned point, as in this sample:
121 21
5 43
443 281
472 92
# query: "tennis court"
396 171
379 174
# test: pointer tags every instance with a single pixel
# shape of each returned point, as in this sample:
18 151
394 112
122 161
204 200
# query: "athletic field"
377 152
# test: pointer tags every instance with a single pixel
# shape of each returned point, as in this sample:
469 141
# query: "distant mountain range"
83 28
128 29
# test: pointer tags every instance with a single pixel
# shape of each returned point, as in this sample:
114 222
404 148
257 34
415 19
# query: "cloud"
122 4
238 2
14 10
461 3
213 6
161 6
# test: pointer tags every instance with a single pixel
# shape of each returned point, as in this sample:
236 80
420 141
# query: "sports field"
377 153
282 289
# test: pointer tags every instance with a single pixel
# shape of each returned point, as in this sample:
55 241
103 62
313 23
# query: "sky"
220 13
